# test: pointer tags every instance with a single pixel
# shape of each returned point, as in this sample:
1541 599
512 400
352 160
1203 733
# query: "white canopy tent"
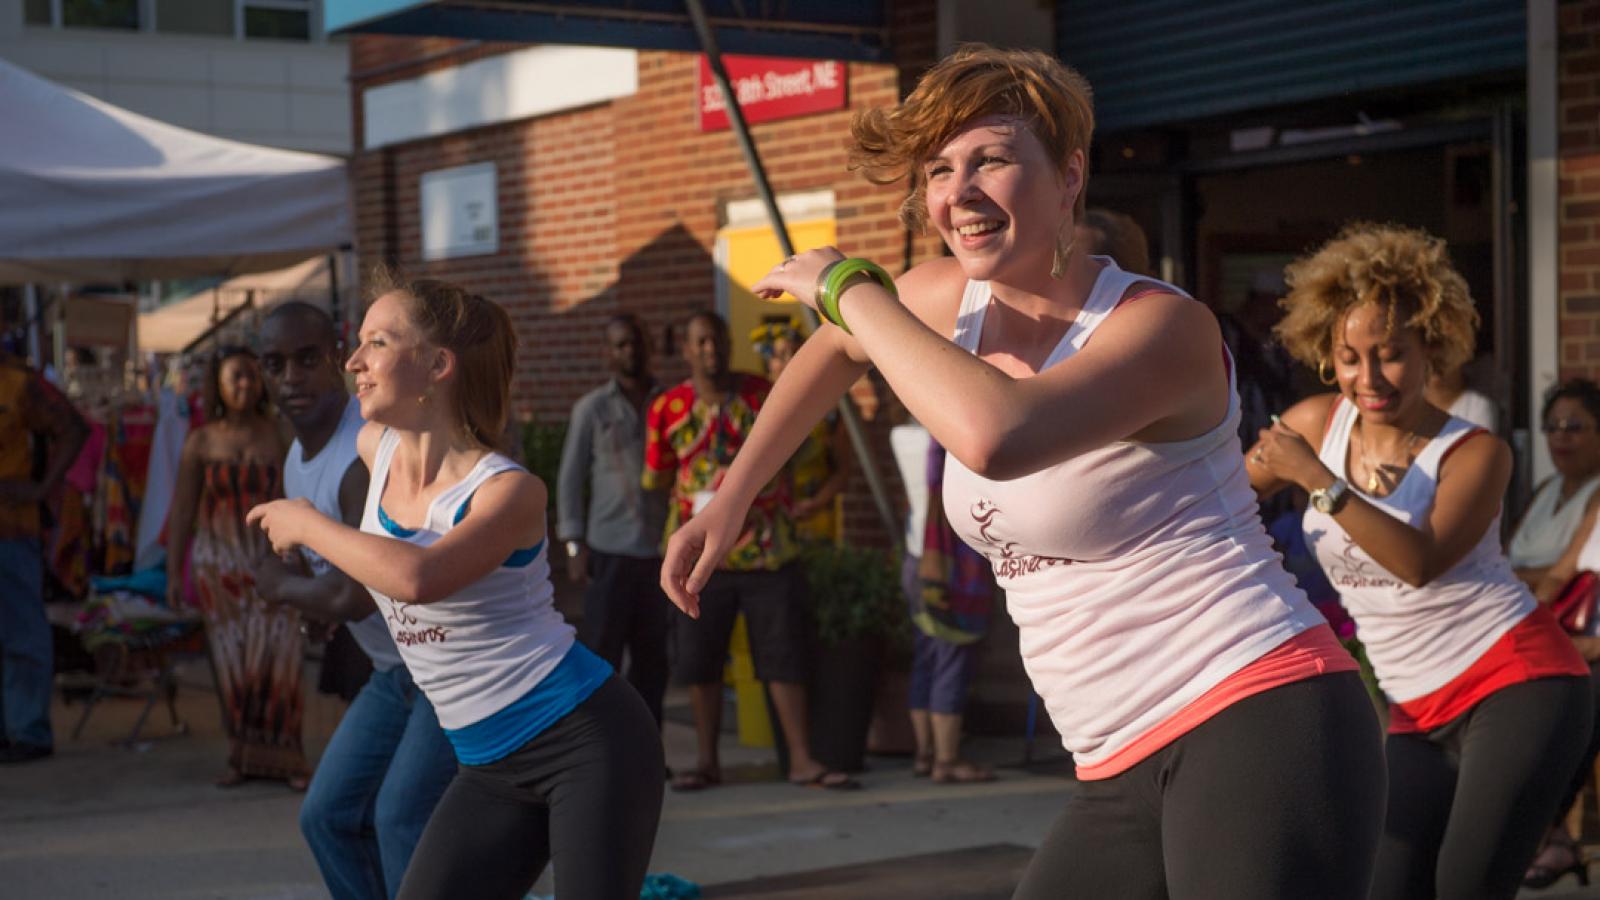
177 325
93 193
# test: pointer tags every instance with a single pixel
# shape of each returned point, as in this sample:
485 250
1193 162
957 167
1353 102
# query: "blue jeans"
26 654
385 768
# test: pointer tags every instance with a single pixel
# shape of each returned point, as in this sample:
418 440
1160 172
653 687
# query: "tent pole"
758 173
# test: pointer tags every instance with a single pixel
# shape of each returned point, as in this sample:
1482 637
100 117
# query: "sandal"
298 783
230 777
921 766
961 772
690 780
828 780
1554 862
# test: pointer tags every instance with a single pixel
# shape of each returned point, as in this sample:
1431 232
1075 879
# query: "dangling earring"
1058 265
1330 379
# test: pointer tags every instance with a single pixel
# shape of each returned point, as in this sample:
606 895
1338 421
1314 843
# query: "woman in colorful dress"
230 464
1489 702
1225 745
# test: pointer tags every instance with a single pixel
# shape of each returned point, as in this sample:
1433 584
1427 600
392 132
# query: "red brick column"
1578 118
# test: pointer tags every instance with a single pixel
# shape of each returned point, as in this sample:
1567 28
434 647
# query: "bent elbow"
412 585
978 451
1420 576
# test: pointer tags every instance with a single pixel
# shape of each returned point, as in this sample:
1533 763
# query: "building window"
207 17
284 20
100 14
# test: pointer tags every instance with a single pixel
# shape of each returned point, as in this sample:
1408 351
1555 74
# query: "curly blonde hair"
1405 271
976 80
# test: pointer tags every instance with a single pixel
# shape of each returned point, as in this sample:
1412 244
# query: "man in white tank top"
389 761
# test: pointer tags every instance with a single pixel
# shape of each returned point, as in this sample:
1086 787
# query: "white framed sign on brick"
460 212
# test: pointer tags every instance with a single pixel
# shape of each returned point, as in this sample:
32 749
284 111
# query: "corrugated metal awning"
817 29
1164 61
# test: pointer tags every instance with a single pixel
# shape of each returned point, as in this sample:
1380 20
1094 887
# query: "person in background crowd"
388 762
1545 545
31 411
1552 543
821 467
1450 392
1490 705
949 589
229 464
1103 232
693 433
611 526
560 760
1226 747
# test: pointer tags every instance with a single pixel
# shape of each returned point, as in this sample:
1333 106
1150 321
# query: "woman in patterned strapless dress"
228 466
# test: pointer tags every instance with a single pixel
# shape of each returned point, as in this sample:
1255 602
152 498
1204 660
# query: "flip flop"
691 780
828 780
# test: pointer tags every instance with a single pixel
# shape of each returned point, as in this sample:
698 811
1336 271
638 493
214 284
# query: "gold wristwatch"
1331 499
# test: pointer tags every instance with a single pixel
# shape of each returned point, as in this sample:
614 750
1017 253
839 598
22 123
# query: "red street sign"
771 87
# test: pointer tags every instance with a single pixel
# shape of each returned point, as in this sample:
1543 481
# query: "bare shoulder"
1309 417
515 490
1475 455
197 442
932 291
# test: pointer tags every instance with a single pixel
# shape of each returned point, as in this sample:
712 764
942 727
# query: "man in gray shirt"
610 524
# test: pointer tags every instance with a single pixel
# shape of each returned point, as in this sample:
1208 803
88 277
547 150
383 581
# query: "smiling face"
393 366
998 199
239 387
1382 373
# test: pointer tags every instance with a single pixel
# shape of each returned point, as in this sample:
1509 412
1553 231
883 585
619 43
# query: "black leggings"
1280 795
1470 800
586 793
1585 770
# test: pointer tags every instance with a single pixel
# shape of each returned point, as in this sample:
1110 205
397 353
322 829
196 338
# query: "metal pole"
758 173
30 313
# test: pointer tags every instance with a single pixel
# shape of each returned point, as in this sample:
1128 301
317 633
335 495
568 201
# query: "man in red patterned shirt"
692 434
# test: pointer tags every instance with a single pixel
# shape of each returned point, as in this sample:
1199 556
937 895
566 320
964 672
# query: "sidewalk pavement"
140 823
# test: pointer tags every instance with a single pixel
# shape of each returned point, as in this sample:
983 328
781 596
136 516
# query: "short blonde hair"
976 80
1404 271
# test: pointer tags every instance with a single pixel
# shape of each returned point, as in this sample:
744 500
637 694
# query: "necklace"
1372 470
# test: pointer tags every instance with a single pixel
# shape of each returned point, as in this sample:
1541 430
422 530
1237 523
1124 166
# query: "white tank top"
1546 531
476 651
318 480
1138 574
1418 639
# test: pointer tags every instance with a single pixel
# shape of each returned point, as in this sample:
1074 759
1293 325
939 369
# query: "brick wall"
1579 150
616 207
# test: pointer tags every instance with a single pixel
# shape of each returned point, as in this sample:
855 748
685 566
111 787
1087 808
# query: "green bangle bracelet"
839 275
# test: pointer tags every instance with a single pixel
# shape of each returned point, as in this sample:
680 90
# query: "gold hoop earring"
1330 379
1058 265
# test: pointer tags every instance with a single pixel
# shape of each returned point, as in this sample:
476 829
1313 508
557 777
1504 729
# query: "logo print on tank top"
401 616
1354 571
1008 561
